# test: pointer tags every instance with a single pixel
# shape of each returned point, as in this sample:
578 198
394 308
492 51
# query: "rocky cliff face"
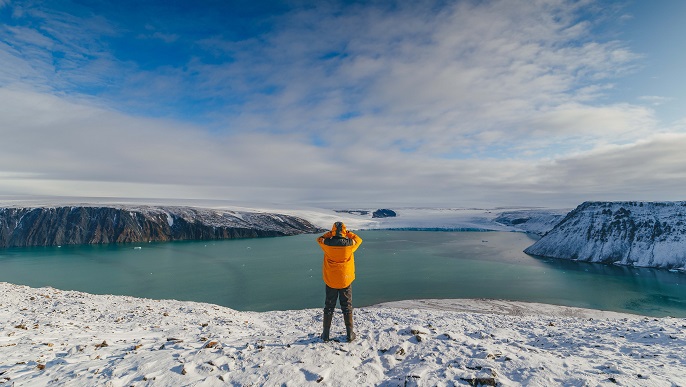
50 226
628 233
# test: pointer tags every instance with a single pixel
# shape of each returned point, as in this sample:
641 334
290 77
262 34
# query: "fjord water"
285 273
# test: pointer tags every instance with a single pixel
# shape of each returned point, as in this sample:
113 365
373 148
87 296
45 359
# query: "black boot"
349 327
327 326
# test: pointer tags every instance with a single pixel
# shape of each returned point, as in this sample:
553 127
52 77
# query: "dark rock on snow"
384 213
354 212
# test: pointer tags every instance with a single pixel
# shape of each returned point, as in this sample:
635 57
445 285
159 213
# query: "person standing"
338 272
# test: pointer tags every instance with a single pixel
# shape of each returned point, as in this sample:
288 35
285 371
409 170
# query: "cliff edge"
66 225
643 234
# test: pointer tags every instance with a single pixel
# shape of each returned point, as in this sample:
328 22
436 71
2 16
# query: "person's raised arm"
320 240
356 238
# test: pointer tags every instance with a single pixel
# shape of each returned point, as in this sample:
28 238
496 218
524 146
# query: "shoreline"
467 305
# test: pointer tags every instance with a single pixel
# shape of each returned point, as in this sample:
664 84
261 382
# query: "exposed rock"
481 381
533 221
54 226
354 212
644 234
384 213
411 380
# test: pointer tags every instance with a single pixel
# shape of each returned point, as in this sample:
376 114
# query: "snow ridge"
54 337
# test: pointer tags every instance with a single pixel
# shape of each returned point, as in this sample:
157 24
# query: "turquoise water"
285 273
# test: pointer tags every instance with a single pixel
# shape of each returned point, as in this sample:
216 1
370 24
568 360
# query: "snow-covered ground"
54 337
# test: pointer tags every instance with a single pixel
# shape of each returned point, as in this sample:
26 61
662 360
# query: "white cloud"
411 74
74 149
480 103
651 169
56 140
57 51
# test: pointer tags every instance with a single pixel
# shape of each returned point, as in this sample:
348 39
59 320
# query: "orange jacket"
338 268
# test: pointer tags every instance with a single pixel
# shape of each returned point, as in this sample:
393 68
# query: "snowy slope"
645 234
538 221
53 337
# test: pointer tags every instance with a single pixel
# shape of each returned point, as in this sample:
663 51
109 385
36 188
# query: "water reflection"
625 288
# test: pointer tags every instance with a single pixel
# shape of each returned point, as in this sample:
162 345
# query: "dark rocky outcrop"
384 213
50 226
645 234
354 212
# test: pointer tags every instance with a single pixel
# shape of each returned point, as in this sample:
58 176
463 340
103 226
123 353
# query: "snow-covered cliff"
645 234
50 226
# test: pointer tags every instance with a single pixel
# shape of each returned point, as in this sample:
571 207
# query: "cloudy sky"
330 103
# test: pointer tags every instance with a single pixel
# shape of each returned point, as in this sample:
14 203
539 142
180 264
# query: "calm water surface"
285 273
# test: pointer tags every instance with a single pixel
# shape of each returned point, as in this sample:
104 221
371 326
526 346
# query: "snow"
236 214
537 221
458 219
639 234
55 337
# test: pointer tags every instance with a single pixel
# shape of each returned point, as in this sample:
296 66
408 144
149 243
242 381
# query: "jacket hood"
339 229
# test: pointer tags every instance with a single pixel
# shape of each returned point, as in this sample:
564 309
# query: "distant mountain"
66 225
384 213
644 234
535 221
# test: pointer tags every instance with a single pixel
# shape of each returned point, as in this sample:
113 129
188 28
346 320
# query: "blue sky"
334 103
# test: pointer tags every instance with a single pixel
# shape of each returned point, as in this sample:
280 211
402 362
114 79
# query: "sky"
466 103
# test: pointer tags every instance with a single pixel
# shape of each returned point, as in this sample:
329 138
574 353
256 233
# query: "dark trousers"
332 295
